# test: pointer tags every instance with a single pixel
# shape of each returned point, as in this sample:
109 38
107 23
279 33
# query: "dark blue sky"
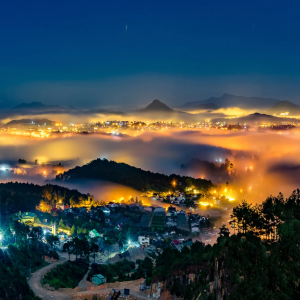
80 53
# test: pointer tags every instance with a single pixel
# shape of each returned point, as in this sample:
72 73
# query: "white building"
144 240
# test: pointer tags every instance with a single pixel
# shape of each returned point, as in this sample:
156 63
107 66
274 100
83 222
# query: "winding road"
37 288
40 291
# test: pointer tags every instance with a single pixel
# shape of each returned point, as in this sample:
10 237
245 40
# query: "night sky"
127 53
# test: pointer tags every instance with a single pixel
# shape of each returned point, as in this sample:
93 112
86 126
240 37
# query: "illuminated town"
135 128
149 150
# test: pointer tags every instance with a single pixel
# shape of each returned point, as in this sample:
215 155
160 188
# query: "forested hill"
141 180
259 260
15 197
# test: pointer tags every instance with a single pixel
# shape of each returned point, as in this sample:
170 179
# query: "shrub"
66 275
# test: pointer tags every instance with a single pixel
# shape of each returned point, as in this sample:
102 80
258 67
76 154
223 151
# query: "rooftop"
99 276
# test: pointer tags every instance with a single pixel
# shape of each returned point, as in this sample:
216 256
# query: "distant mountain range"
38 106
228 100
158 110
203 106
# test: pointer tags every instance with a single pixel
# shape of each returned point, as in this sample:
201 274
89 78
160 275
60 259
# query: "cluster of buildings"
155 223
153 218
36 128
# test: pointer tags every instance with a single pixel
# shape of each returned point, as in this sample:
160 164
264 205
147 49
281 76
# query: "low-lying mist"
264 163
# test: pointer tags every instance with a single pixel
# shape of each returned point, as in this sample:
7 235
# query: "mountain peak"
157 105
283 107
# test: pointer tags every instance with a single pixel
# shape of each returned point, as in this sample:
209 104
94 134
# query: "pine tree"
73 230
61 224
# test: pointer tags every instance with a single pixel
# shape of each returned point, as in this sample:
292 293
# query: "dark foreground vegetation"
13 282
67 275
24 256
102 169
260 261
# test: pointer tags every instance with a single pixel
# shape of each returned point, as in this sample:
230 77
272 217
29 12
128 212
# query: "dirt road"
36 286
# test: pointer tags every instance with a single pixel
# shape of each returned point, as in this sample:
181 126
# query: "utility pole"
29 265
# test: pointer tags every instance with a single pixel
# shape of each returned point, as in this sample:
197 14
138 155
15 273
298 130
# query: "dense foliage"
67 275
124 270
102 169
114 272
145 267
260 261
19 259
15 197
13 283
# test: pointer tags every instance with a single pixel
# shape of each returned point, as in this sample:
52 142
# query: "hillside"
238 265
23 122
283 107
228 100
25 196
216 172
256 118
131 176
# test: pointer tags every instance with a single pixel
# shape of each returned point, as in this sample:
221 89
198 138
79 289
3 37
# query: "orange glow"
19 171
203 203
265 150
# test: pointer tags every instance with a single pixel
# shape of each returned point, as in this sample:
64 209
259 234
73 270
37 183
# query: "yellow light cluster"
205 203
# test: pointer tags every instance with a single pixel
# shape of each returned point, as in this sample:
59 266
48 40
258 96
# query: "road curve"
36 286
